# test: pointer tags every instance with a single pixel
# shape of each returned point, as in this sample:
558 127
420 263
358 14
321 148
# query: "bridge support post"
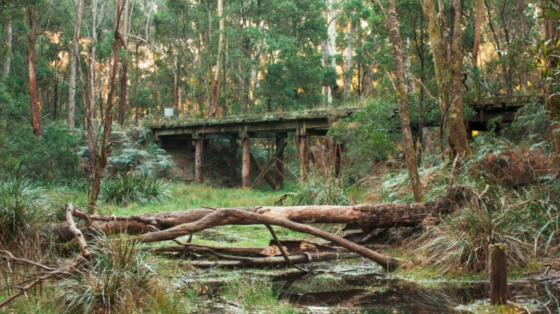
279 167
198 160
304 158
246 162
233 146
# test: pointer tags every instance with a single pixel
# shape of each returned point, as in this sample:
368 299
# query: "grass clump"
523 221
322 190
257 296
124 189
22 203
118 279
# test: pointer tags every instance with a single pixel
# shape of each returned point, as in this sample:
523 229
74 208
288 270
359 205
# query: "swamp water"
357 286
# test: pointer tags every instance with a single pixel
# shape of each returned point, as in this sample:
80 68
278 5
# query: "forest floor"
345 286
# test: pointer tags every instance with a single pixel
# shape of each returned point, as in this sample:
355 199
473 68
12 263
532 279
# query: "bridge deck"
240 129
312 122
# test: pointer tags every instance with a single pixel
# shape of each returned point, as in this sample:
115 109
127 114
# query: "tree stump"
498 274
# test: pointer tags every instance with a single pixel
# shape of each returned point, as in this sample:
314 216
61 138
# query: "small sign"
169 112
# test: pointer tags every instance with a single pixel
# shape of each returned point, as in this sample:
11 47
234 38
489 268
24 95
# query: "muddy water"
351 287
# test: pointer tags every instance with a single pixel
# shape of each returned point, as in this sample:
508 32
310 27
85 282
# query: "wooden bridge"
239 130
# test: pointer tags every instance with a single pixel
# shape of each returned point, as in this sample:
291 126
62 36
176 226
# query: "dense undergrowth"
511 172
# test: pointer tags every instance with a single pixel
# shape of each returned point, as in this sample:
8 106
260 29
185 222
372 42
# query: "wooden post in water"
498 274
233 146
279 167
246 162
198 160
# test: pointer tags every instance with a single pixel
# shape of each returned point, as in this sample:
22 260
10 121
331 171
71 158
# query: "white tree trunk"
329 49
349 64
73 60
8 43
411 83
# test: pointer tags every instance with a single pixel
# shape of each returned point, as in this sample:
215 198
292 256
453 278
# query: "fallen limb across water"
226 216
367 216
296 259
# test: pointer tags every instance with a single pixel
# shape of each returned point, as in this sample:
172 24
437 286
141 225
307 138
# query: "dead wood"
366 216
227 216
281 248
61 271
267 261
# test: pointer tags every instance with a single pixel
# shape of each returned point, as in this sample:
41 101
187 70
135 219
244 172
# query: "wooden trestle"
305 124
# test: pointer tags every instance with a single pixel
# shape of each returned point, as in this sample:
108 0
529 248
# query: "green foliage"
138 188
527 226
22 204
321 190
119 279
50 157
256 296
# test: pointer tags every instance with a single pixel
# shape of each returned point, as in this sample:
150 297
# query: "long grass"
119 279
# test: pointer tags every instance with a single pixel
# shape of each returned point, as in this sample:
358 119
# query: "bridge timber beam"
305 124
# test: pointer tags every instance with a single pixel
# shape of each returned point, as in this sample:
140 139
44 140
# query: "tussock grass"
257 296
128 188
120 278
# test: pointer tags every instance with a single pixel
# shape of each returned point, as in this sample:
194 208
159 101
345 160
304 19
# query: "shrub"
319 190
527 226
119 279
51 157
22 203
499 160
134 188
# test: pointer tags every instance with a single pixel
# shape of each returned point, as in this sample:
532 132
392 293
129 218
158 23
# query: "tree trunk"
408 143
90 112
176 79
349 63
35 119
124 68
107 121
367 216
6 68
457 131
73 60
448 75
8 43
218 69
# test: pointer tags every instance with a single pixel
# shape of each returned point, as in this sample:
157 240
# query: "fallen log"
269 251
366 216
226 216
267 261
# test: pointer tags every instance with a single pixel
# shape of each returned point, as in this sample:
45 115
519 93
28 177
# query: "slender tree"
72 75
124 66
31 64
448 73
218 69
402 99
103 155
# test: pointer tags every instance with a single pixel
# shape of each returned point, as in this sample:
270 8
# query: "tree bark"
349 63
268 261
219 217
448 75
124 68
408 143
107 120
246 162
198 160
6 67
35 119
498 274
217 71
73 60
367 216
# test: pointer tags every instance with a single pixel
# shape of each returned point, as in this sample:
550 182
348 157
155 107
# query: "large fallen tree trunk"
367 216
